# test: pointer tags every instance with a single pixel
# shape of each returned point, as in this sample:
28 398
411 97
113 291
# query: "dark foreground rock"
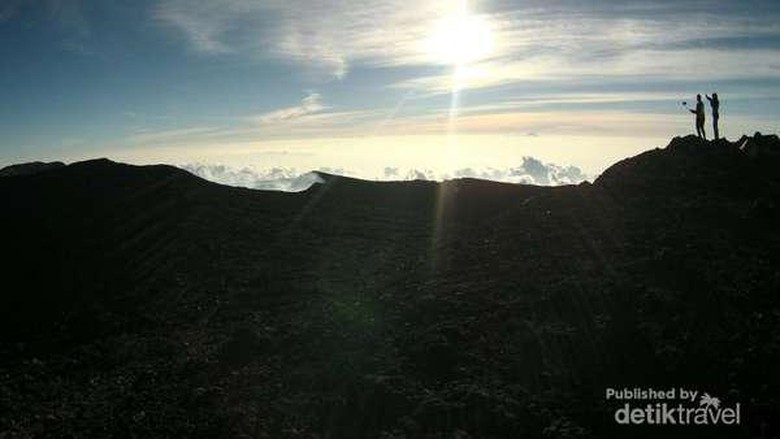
145 302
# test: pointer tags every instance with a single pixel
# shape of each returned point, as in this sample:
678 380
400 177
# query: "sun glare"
460 39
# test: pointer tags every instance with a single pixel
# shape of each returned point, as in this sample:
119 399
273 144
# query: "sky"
378 89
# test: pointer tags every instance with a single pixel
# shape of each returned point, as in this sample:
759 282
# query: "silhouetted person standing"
699 112
715 104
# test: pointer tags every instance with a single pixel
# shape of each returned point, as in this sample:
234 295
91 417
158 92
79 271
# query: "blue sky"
363 87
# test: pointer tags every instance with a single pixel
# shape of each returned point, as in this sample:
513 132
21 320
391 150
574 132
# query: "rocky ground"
146 302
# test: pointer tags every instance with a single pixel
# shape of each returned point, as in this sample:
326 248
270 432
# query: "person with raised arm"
699 112
715 104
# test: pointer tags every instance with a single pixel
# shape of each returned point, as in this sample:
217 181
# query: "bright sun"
460 39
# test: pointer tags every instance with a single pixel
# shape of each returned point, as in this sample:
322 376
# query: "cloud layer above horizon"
529 171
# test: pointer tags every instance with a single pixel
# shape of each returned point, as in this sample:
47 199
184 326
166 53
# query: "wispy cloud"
313 122
202 23
311 118
310 105
564 44
173 136
320 34
534 40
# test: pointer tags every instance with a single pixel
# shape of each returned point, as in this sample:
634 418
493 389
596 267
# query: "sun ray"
458 40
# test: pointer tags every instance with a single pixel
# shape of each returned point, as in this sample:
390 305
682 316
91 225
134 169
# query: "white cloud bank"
273 179
530 171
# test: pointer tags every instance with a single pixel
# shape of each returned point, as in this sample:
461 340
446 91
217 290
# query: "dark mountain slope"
145 301
29 168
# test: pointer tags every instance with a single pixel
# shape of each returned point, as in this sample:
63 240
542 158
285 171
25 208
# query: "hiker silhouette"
699 112
715 104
